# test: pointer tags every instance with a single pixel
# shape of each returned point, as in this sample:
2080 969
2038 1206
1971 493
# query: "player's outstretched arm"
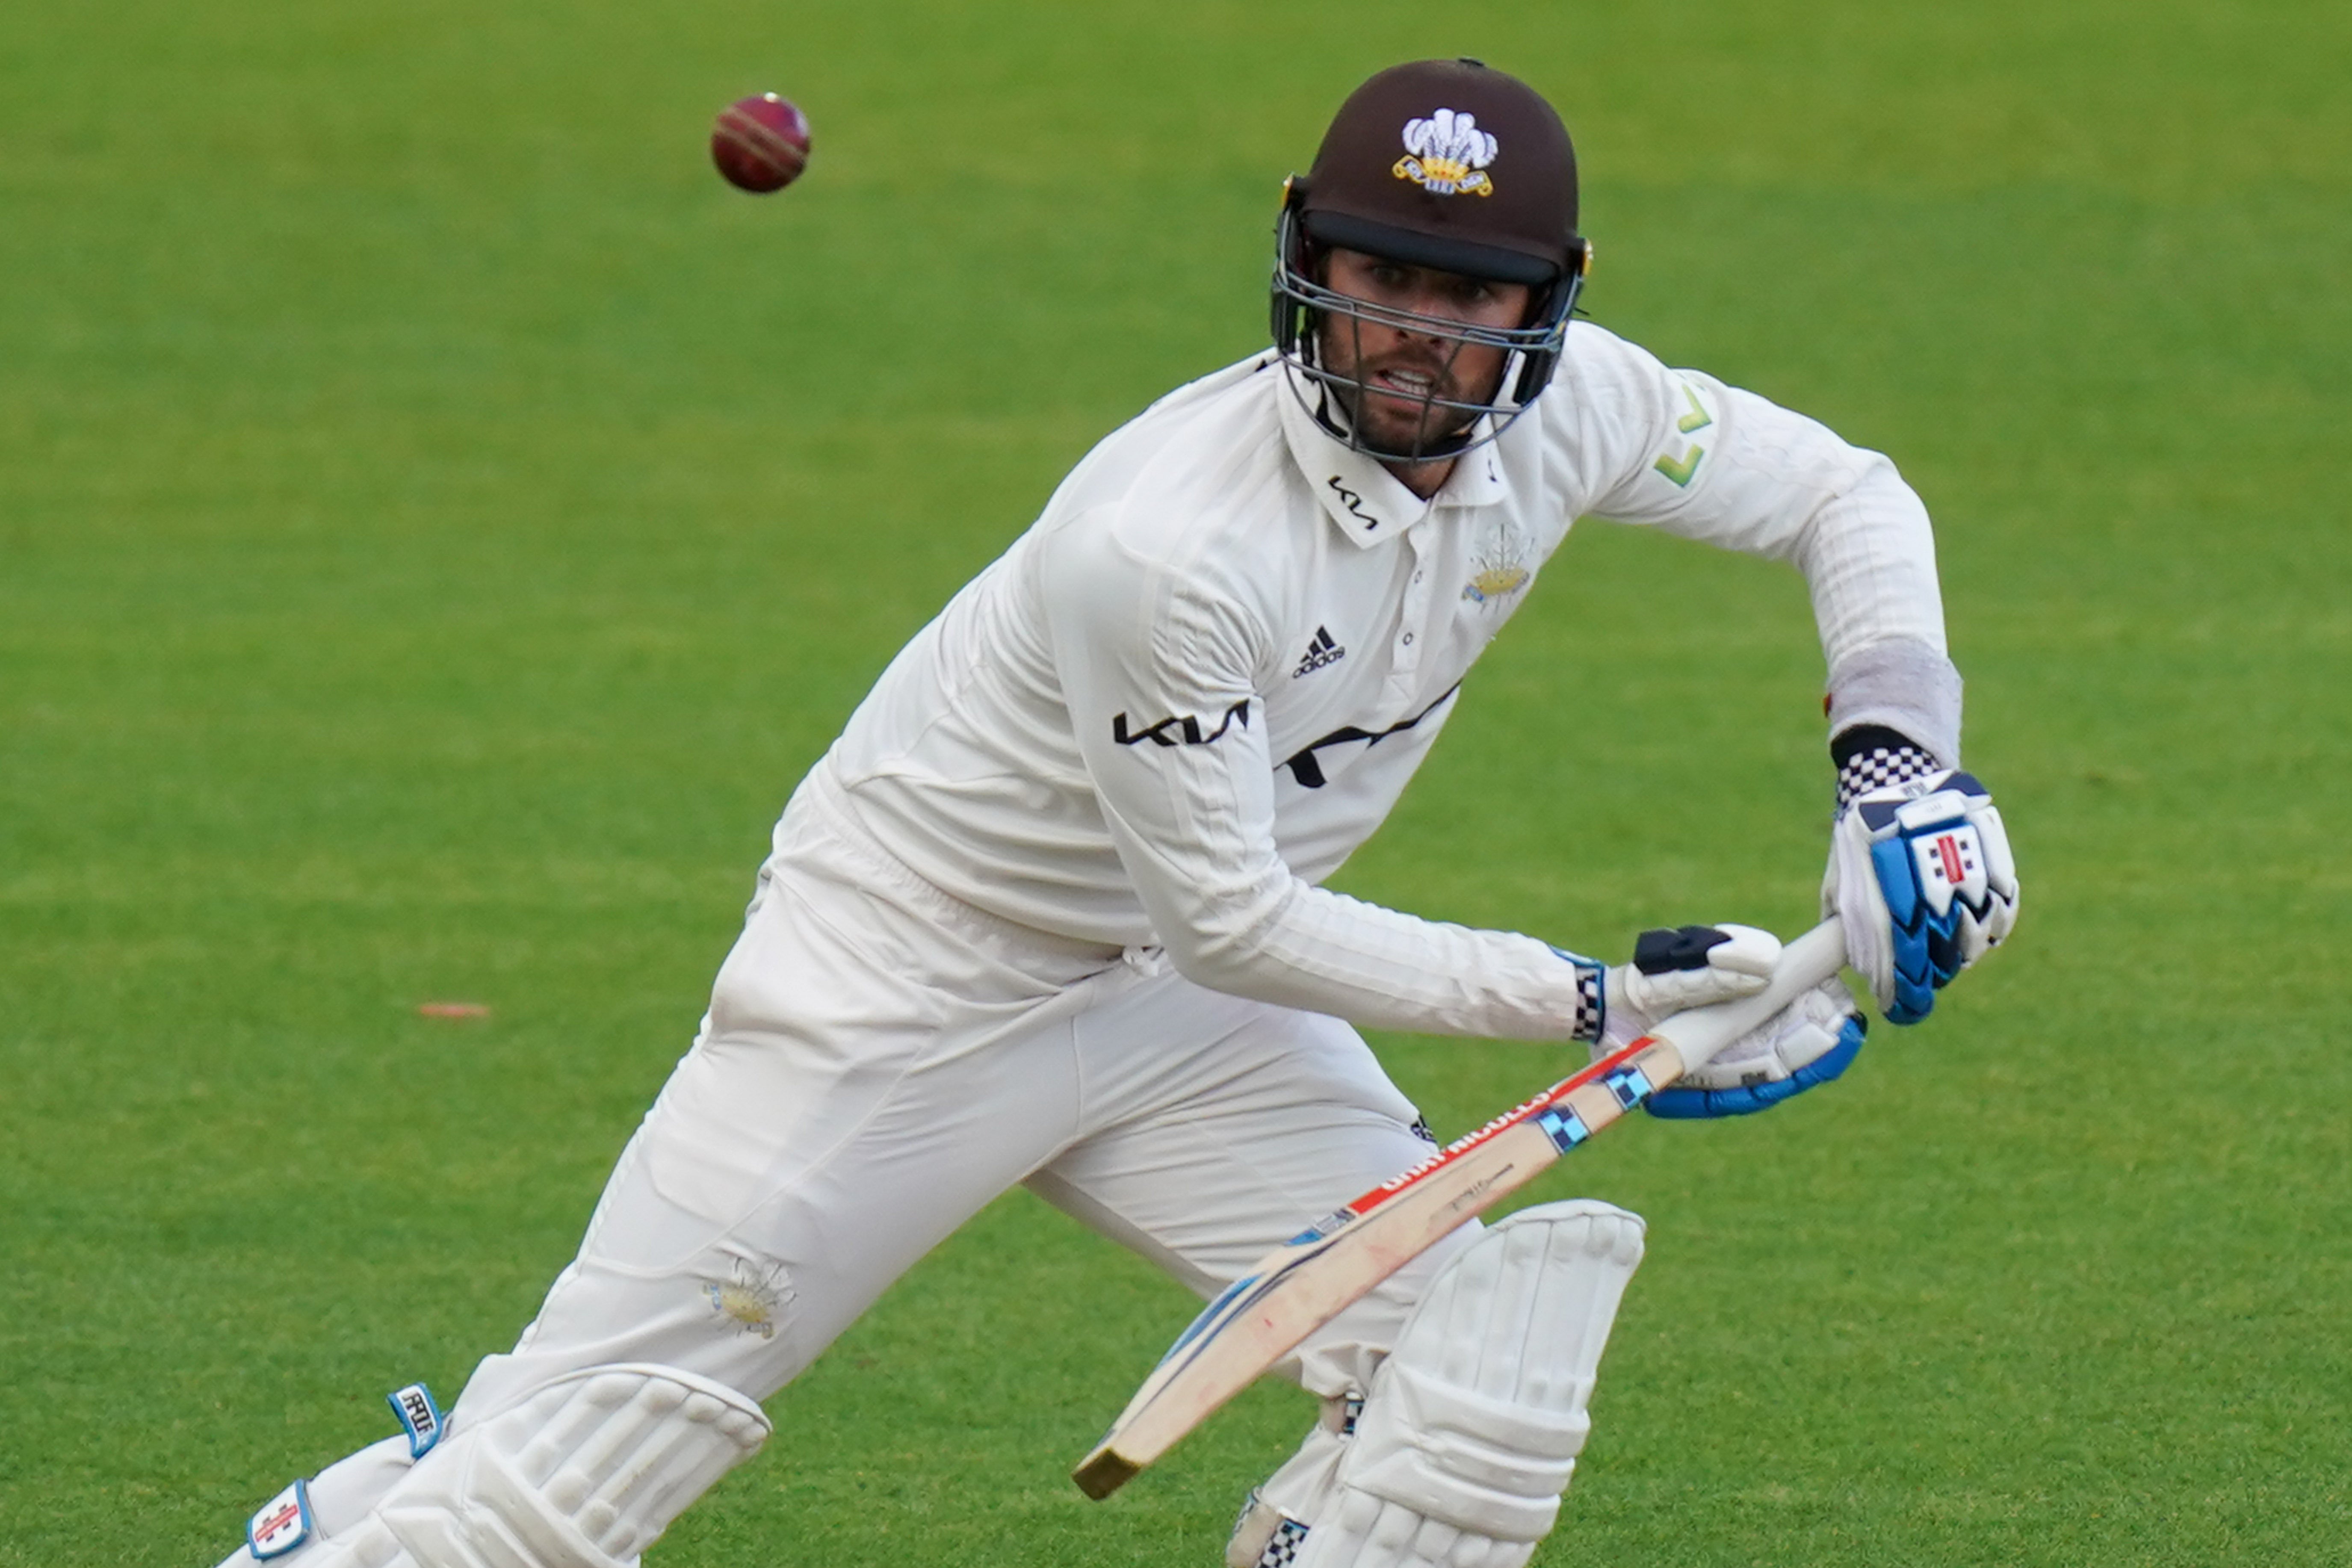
1680 451
1920 869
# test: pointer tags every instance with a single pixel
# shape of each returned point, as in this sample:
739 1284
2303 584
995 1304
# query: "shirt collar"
1477 479
1367 502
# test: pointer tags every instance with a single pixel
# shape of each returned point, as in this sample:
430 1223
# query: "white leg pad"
1472 1425
585 1473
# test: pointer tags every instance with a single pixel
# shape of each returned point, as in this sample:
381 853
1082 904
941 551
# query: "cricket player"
1051 910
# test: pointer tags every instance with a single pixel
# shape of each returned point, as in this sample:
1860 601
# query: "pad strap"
1471 1461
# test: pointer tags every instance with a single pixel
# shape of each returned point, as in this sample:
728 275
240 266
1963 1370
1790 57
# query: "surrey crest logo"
1501 568
751 1298
1447 155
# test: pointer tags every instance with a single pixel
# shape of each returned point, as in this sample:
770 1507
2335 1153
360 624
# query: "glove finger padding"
1811 1041
1674 971
1922 875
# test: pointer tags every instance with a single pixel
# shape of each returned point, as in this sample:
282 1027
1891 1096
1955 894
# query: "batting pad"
1472 1425
585 1473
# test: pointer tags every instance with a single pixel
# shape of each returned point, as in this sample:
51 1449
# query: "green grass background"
439 520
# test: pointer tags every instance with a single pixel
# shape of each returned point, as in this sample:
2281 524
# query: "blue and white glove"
1809 1042
1921 874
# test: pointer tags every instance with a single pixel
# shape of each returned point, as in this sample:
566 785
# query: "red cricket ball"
761 143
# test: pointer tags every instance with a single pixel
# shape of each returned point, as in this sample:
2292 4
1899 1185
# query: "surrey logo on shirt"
1321 649
1499 568
1447 155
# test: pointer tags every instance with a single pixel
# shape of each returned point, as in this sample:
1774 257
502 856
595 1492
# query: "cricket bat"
1325 1268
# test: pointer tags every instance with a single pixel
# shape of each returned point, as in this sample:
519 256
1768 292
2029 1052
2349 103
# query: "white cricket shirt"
1204 677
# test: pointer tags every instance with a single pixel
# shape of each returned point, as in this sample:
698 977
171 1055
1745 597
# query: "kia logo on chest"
1179 729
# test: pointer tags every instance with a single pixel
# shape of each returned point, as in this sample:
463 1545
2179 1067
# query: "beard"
1413 400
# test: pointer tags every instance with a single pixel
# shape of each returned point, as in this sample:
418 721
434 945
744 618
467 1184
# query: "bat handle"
1699 1035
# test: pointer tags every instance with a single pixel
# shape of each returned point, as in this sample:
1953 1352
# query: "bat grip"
1700 1034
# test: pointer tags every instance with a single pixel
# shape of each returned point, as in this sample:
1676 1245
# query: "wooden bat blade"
1335 1262
1296 1289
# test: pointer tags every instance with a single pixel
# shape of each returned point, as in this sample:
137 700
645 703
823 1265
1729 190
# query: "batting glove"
1921 874
1673 971
1807 1043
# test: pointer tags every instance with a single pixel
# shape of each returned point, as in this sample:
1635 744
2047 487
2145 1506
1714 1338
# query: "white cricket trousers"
879 1061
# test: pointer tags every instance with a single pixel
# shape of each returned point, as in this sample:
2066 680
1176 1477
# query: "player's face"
1400 368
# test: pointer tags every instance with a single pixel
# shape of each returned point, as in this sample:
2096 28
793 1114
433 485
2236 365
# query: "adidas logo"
1321 651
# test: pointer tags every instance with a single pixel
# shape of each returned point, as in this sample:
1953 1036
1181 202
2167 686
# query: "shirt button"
1408 639
1419 575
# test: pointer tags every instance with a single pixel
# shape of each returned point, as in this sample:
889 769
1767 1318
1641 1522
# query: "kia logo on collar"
1354 503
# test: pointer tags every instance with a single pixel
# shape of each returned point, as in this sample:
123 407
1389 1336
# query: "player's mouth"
1409 382
1408 403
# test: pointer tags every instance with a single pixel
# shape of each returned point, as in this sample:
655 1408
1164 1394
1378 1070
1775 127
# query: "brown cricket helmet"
1448 165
